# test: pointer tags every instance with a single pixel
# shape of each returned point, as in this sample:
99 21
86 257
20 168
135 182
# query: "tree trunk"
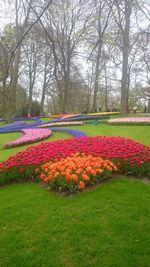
32 73
30 101
125 54
97 75
66 83
14 81
106 90
4 98
42 101
66 90
148 108
43 96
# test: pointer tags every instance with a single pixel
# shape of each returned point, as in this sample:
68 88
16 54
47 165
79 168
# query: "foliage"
21 100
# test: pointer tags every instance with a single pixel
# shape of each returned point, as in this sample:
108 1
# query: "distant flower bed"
27 118
60 124
75 133
30 136
129 156
104 113
76 172
19 125
132 121
55 116
71 116
91 114
81 118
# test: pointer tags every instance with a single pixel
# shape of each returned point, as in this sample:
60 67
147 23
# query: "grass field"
138 133
2 124
107 226
46 119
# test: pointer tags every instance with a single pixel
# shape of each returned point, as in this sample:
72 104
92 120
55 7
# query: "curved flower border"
30 136
19 125
64 123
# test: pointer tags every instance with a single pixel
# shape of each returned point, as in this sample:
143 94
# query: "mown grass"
138 133
2 123
107 226
46 119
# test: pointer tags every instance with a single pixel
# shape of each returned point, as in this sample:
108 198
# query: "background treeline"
78 56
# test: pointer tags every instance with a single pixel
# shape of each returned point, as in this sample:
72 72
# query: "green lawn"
46 119
2 123
107 226
138 133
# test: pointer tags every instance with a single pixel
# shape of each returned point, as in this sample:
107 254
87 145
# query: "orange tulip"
74 177
85 177
81 185
76 167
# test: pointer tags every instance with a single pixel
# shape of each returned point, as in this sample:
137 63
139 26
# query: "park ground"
106 226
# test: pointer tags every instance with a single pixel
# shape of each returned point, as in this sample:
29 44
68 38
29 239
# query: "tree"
65 28
101 16
22 12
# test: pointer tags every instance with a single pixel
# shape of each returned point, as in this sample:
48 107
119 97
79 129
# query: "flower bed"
55 116
131 121
30 136
76 172
104 113
81 118
60 124
129 156
18 126
71 116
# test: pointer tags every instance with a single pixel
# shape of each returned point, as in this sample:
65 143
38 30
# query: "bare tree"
48 75
66 25
145 57
99 25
